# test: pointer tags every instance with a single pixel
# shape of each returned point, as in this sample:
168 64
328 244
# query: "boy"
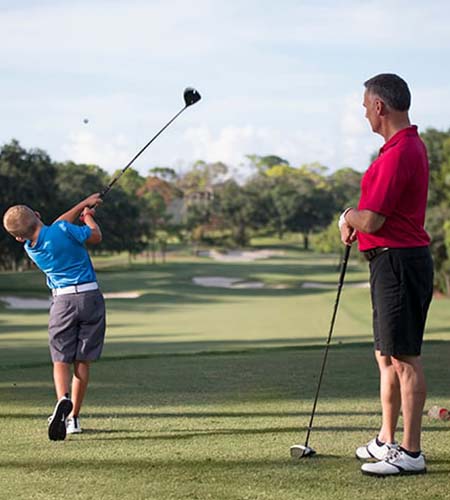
77 312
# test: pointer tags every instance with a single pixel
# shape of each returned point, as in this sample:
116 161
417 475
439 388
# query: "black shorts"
401 287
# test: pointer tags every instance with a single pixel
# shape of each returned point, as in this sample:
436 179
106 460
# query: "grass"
201 391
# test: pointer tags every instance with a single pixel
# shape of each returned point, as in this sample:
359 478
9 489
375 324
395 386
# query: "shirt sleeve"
385 185
77 233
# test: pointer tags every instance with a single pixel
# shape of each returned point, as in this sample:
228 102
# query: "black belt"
374 252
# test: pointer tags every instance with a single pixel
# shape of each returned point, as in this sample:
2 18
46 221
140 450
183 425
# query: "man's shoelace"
392 455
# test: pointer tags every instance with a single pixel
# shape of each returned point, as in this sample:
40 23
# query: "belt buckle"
374 252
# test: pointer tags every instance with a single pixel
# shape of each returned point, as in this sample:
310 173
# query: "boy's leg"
61 377
80 382
57 421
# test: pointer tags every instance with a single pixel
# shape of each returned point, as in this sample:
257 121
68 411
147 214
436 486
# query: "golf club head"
300 451
191 96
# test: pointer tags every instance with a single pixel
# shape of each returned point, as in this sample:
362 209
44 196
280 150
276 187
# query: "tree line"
206 204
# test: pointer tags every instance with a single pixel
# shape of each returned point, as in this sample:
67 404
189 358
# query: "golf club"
191 96
298 450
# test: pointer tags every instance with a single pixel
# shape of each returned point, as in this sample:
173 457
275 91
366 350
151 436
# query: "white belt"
85 287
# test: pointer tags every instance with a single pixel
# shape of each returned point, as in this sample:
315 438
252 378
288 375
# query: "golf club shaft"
113 181
341 283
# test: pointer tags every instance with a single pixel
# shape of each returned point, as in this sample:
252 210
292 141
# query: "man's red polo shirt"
396 186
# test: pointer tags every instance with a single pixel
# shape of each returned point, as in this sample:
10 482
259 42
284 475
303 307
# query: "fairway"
201 391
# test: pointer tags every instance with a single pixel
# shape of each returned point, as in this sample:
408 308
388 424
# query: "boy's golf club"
191 96
298 450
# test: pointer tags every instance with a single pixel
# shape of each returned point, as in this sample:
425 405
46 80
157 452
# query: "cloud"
85 147
283 81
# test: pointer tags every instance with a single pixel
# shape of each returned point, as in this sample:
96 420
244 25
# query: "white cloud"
85 147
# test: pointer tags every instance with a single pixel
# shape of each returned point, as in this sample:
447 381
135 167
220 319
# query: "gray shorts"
77 327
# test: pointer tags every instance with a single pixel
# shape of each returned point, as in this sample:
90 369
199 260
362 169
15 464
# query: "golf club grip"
327 346
106 189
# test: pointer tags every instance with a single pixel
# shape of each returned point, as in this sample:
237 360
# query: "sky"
277 78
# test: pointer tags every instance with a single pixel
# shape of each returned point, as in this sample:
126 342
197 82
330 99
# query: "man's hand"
348 234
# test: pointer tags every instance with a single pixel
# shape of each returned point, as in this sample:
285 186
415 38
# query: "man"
389 227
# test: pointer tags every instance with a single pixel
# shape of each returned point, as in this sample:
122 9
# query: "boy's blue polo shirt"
60 253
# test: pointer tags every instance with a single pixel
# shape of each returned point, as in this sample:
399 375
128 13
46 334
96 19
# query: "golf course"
201 390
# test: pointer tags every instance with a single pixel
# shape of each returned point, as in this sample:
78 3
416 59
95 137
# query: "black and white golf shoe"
374 450
57 422
397 462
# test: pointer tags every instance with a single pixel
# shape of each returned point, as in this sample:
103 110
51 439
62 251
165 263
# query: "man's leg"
389 396
79 385
61 377
413 395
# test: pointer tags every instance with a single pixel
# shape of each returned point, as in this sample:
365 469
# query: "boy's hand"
87 211
92 200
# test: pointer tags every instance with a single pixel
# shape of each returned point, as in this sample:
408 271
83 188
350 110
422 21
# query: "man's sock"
412 454
379 443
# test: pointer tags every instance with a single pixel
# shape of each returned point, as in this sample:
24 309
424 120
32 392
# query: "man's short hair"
392 89
20 221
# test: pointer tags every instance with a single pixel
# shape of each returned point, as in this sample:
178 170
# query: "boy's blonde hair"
20 221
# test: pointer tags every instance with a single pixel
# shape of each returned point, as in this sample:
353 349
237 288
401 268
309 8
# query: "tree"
234 210
264 163
119 215
345 186
434 141
301 199
28 178
131 181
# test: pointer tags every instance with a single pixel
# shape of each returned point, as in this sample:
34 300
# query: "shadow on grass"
176 435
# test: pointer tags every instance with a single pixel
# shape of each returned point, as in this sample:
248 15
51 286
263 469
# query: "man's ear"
22 240
380 107
38 215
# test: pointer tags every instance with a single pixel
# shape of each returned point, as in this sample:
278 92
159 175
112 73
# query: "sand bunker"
13 302
329 286
24 303
122 295
222 282
242 256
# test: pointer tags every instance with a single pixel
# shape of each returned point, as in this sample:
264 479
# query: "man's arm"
73 214
353 220
364 221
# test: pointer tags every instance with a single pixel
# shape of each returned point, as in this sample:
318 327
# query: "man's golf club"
191 96
298 450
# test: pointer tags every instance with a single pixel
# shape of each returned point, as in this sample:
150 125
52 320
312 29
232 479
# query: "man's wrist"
342 219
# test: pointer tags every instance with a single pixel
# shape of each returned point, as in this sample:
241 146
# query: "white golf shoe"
73 426
397 462
372 450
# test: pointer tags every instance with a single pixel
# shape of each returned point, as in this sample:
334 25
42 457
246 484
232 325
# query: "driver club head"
299 451
191 96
